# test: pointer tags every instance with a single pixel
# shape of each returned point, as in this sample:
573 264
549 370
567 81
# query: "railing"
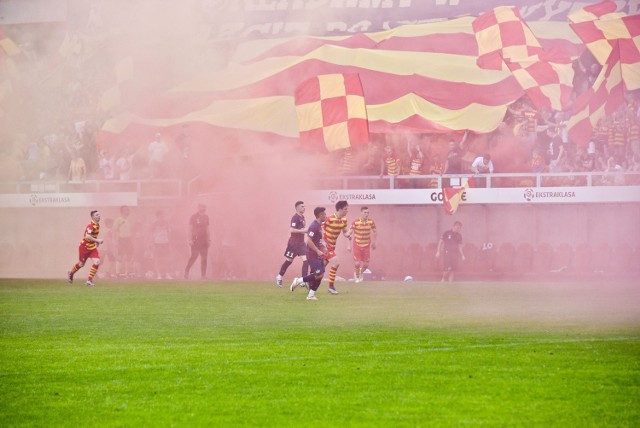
170 189
496 180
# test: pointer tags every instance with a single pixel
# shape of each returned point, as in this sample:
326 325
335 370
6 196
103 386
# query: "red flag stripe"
379 88
606 95
435 92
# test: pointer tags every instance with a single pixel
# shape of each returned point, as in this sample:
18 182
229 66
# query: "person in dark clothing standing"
199 241
450 245
453 164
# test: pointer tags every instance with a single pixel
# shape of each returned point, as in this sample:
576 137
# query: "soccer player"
316 252
199 241
364 240
296 245
88 249
332 227
451 242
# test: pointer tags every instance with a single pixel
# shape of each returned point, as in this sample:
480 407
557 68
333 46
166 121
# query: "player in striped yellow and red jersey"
332 227
364 240
88 249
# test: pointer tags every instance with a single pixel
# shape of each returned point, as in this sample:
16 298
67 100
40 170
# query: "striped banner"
606 95
614 40
504 38
415 78
601 28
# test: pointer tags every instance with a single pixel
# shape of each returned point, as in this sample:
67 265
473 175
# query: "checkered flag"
614 40
504 39
331 112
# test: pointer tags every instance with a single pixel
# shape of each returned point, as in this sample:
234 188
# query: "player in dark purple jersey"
316 252
451 245
296 245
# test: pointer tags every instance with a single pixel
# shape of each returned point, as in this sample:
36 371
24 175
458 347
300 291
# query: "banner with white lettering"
538 195
277 18
68 200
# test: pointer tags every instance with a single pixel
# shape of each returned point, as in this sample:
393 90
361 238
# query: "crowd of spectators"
53 103
528 141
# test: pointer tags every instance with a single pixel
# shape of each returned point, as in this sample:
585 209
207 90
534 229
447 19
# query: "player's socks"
92 272
305 268
332 276
75 268
284 267
309 278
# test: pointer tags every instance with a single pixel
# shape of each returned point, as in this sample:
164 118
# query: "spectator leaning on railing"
482 165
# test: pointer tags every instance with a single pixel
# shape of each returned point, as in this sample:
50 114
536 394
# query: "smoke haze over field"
248 180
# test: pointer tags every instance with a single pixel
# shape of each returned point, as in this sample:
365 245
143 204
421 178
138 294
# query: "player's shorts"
316 265
330 254
450 260
84 253
295 249
361 254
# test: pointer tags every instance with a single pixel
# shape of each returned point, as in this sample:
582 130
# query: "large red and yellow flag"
502 34
419 78
602 30
505 39
614 40
606 95
331 112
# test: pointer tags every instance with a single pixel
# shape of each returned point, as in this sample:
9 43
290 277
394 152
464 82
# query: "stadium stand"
621 258
581 262
601 258
562 258
471 254
522 261
542 258
504 258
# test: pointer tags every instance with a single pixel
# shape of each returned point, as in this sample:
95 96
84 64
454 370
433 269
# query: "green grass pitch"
380 354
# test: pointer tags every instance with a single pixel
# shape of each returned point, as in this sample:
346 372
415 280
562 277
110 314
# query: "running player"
88 249
332 227
316 252
296 245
